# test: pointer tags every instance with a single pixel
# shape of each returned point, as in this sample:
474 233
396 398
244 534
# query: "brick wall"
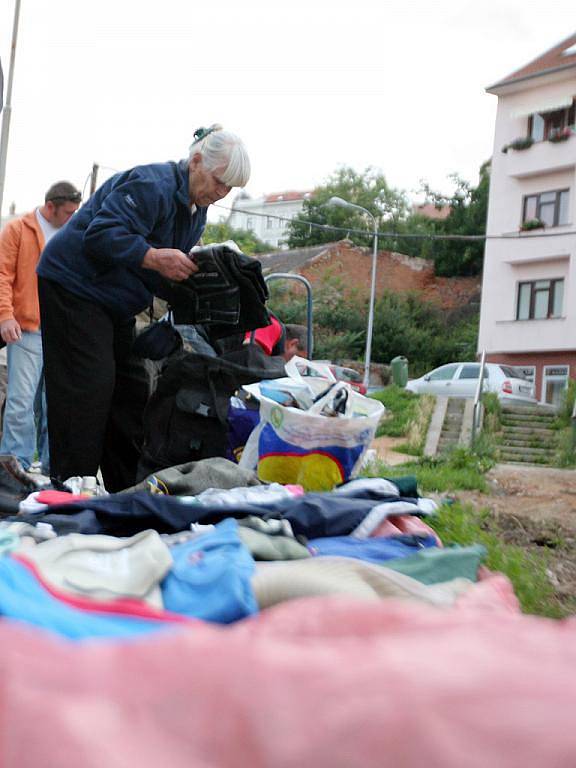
394 272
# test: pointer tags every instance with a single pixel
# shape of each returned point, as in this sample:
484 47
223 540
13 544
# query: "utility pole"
8 105
93 178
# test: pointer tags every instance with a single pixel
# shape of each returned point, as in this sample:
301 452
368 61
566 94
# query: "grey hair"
220 148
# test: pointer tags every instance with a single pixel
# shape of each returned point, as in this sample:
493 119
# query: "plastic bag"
317 448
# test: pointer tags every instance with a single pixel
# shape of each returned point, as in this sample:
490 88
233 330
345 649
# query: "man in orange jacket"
21 243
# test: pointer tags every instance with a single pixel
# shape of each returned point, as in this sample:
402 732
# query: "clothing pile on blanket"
223 548
261 625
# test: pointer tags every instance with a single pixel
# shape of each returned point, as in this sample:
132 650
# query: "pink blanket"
319 682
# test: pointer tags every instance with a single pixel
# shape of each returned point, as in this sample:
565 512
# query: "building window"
551 208
540 299
250 224
269 222
540 126
554 383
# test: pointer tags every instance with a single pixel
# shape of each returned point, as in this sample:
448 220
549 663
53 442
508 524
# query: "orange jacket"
21 243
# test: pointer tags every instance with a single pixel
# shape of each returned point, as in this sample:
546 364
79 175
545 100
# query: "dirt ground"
384 447
535 507
532 507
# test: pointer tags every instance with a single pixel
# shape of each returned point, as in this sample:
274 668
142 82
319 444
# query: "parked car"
461 380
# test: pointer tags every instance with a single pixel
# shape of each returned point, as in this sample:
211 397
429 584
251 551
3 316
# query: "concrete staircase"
527 435
450 425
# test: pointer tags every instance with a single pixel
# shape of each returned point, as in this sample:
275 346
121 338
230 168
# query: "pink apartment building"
528 309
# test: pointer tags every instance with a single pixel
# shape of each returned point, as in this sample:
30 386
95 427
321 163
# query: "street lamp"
341 203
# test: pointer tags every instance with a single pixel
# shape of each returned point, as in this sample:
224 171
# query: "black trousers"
95 391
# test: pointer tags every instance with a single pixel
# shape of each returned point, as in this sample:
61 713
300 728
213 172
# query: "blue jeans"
25 429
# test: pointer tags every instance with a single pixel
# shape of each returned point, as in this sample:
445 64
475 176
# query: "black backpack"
186 417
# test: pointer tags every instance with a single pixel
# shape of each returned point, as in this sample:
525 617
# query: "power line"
393 234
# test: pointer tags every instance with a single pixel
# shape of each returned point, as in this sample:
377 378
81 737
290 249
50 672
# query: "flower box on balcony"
524 142
559 134
530 224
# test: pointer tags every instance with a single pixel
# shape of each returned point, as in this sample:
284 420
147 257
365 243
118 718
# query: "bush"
564 413
403 325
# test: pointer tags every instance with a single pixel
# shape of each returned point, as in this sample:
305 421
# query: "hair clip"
201 133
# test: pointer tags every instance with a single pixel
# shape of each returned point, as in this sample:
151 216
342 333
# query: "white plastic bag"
309 448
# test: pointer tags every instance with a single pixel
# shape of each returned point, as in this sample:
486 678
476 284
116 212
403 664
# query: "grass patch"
464 525
458 470
408 449
401 409
565 455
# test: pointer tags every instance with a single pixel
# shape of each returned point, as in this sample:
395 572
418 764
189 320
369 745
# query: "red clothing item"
266 337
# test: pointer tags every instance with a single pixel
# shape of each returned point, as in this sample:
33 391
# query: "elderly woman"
101 270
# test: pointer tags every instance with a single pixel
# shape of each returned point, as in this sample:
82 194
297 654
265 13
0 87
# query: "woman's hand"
170 263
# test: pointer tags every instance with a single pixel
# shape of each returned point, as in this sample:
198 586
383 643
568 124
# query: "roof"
284 197
292 260
561 56
431 211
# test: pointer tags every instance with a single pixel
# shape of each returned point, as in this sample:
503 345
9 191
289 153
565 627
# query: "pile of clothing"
205 618
207 540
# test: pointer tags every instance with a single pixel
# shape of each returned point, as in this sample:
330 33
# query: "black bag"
186 417
158 341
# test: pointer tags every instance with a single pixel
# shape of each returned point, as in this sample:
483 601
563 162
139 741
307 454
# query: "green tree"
468 211
368 189
245 240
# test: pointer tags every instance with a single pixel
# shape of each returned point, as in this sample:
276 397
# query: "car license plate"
528 390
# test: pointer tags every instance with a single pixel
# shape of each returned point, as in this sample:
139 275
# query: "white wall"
259 218
541 168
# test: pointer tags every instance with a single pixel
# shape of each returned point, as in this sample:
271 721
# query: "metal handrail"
306 283
478 399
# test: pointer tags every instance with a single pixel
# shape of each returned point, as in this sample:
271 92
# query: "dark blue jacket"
98 254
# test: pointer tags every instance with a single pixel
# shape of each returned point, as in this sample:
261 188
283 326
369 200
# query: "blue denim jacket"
98 254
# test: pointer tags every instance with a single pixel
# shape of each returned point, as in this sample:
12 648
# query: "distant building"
431 211
528 308
267 217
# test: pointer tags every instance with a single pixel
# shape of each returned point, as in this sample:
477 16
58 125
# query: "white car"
461 380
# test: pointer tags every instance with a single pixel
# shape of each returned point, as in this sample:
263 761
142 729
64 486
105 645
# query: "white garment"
48 229
376 484
31 504
105 567
277 582
259 495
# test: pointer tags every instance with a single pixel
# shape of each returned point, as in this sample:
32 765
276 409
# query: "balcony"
530 335
542 157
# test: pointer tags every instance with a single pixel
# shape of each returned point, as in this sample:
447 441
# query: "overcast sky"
308 84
